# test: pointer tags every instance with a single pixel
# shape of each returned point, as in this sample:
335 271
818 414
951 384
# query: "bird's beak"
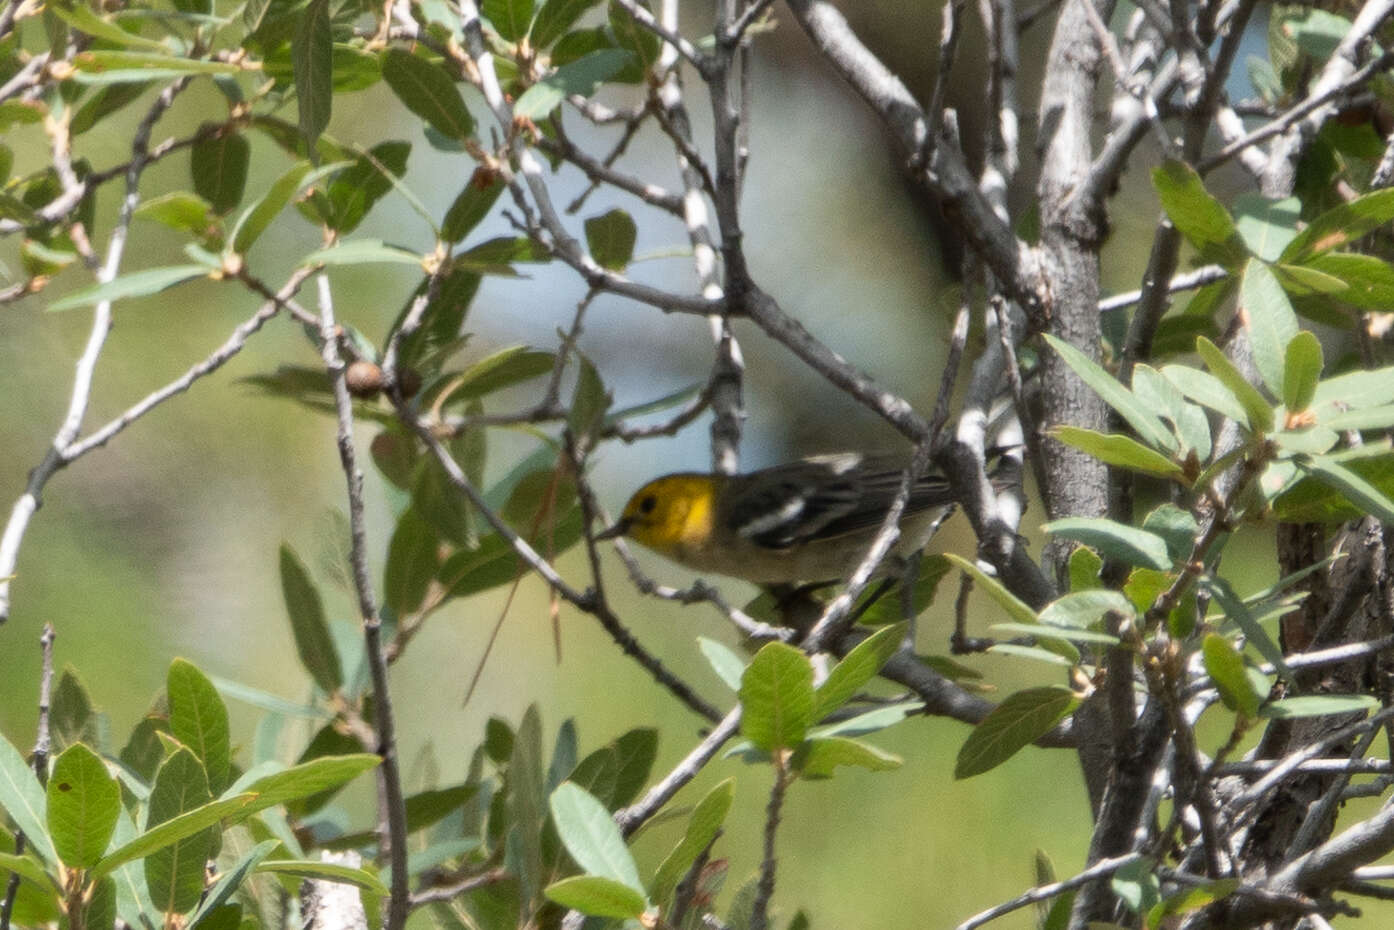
615 532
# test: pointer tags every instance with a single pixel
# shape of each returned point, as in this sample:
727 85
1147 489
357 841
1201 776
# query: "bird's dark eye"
648 504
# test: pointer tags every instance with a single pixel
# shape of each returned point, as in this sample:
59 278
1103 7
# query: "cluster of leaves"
780 713
1294 460
311 52
127 835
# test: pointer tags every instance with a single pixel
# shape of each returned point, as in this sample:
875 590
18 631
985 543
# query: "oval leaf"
777 697
597 896
198 719
1302 365
83 804
1021 718
135 284
308 623
1126 543
592 837
427 91
1226 668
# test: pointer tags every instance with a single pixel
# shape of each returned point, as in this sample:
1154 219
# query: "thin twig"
1101 869
634 816
52 462
764 888
392 827
464 886
207 366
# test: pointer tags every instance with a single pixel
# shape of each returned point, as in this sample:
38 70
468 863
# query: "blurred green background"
165 543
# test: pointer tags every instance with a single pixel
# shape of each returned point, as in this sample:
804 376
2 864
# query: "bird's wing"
823 498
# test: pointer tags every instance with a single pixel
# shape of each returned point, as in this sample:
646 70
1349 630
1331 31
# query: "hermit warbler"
810 520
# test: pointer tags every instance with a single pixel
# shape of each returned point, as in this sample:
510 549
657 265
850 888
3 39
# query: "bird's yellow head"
669 514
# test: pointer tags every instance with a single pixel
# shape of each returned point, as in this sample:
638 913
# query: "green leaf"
472 205
1356 389
1177 527
555 18
99 910
1114 540
312 56
308 623
1117 449
597 896
502 369
1311 500
728 666
1258 413
182 211
1266 226
1342 225
857 668
355 190
230 881
1197 215
198 719
1084 609
635 38
427 91
1301 281
1367 418
1205 389
1368 279
135 284
143 66
510 18
1238 612
312 868
635 752
219 168
1020 719
890 609
610 238
361 252
300 781
1318 705
1045 632
174 870
702 827
412 561
1016 608
527 802
777 697
171 831
1136 884
589 401
1226 668
254 220
83 804
1271 321
1302 364
1085 565
80 17
819 756
1191 899
1141 419
71 718
29 870
582 77
592 837
1357 490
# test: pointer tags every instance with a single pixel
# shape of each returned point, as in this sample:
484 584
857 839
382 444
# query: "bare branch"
392 812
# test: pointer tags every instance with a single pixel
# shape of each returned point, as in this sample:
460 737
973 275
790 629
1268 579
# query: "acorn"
364 379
